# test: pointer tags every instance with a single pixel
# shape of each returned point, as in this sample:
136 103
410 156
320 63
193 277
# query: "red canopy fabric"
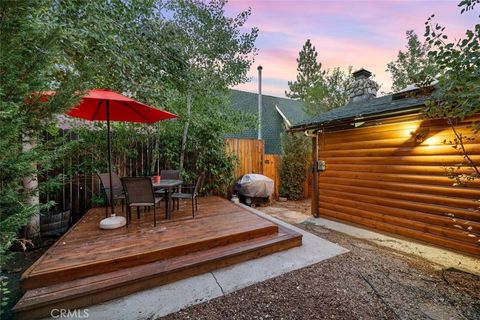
94 107
106 105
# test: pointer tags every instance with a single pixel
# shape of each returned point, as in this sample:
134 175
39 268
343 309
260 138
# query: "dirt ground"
369 282
16 265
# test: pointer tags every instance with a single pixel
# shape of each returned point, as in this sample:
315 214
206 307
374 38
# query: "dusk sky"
365 34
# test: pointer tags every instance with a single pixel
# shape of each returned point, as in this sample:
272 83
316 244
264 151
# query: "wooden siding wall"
379 176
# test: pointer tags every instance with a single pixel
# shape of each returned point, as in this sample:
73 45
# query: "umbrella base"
113 222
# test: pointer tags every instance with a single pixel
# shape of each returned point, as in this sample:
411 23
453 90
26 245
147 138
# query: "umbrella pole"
110 159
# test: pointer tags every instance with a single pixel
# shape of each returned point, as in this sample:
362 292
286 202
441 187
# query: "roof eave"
325 124
285 119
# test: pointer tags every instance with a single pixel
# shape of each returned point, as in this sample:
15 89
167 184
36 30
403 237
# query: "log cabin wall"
390 175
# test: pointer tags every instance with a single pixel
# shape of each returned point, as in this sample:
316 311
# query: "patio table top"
167 183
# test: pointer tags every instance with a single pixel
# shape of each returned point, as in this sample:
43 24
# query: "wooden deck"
89 265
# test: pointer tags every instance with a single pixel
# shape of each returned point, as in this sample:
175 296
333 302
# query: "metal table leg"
167 195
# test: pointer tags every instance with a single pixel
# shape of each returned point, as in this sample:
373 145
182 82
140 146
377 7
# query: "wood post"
314 200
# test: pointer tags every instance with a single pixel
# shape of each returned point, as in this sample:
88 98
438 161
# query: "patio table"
167 185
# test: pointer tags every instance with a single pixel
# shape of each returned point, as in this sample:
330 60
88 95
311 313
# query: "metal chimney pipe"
259 68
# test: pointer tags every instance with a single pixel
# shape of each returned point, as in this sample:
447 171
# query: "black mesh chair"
170 175
118 193
139 193
192 195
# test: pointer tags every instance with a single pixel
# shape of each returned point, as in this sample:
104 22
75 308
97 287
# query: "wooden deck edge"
60 240
32 281
33 311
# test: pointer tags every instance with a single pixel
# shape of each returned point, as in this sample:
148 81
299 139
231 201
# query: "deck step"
106 286
212 236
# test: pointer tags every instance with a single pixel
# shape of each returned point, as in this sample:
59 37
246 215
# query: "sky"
357 33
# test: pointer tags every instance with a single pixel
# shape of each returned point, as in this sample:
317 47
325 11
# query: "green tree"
413 66
309 73
320 90
458 94
134 47
217 55
295 151
31 44
329 92
179 55
127 46
458 76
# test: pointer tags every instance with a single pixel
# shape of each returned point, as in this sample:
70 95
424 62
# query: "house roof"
292 109
272 120
348 112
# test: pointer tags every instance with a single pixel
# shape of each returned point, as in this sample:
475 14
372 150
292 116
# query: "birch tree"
216 52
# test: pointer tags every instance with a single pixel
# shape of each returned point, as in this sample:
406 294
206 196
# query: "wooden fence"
252 159
77 192
271 169
249 153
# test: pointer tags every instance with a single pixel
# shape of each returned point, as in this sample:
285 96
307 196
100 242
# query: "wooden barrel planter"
54 223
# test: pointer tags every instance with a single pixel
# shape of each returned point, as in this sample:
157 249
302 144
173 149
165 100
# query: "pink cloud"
346 33
266 89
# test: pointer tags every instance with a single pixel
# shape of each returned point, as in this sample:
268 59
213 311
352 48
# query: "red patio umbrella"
106 105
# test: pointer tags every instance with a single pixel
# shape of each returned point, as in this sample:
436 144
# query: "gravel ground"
369 282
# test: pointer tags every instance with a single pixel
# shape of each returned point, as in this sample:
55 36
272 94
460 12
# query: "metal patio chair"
193 195
118 193
139 193
170 175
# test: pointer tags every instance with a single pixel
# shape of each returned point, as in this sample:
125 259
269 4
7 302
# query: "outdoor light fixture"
321 165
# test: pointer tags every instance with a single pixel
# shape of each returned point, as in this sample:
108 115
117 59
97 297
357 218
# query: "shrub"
295 152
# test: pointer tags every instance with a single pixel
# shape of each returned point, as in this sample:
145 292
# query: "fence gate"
271 169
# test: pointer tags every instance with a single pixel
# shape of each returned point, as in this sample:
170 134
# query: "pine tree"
320 90
309 72
329 92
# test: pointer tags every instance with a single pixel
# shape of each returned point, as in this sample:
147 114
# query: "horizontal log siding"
377 175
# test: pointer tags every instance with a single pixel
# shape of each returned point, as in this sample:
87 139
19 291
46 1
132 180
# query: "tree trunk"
30 185
155 163
459 137
185 129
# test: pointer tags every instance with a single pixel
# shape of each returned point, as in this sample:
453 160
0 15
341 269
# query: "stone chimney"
362 88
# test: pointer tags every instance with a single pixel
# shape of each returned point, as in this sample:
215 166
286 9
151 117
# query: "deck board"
88 265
